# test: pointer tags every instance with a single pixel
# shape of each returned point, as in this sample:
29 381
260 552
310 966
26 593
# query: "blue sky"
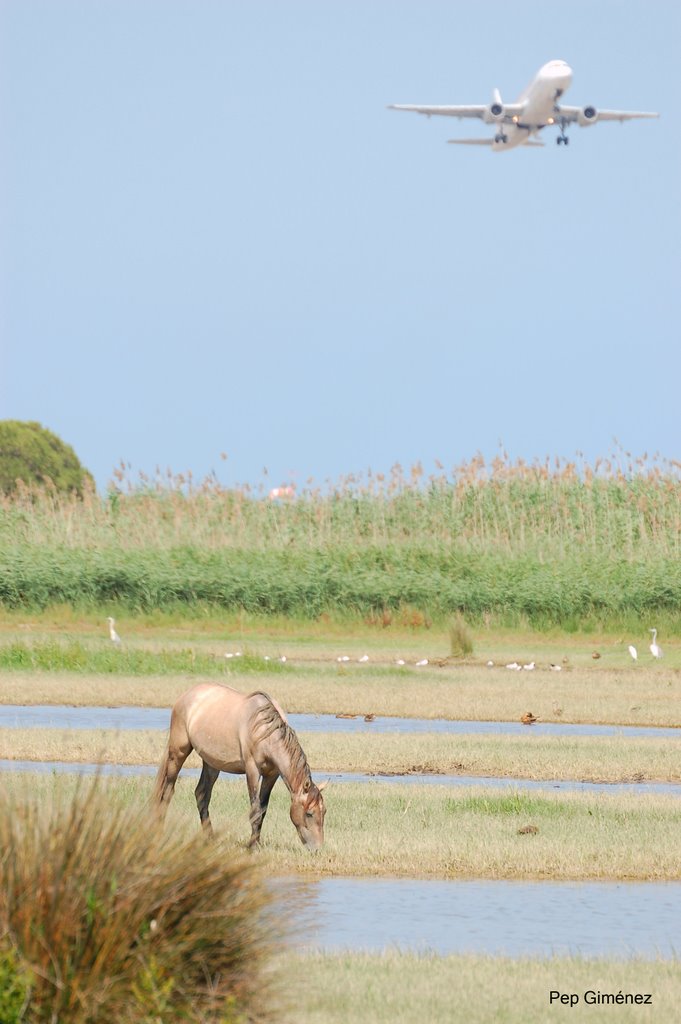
214 237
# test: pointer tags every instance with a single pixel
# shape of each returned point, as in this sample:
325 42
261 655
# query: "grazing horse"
243 734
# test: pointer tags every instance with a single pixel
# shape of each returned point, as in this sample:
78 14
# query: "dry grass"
108 919
404 988
585 758
632 696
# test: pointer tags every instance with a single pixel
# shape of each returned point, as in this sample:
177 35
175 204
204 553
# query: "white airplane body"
518 124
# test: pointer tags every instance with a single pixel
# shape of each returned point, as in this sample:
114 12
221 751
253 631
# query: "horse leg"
260 798
203 793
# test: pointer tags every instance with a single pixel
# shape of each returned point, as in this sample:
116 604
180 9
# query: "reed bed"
627 503
548 542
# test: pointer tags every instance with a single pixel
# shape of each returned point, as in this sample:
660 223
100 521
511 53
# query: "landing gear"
562 137
500 137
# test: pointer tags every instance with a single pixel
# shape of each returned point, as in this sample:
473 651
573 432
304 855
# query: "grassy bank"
589 759
632 696
403 988
422 831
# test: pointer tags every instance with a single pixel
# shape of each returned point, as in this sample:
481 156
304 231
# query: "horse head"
307 814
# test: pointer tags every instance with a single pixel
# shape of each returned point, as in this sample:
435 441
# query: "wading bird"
113 635
655 648
633 652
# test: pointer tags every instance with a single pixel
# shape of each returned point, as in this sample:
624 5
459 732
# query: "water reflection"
61 716
515 919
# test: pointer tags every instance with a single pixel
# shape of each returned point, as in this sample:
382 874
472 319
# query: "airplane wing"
476 110
571 114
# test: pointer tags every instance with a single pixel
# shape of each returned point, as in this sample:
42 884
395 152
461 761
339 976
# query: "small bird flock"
514 666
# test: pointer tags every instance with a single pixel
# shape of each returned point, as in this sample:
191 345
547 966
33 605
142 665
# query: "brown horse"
242 734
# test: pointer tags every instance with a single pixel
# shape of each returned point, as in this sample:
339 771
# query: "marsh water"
566 785
589 919
515 919
62 716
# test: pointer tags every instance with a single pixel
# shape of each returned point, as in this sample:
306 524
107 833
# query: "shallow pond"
86 768
503 918
60 716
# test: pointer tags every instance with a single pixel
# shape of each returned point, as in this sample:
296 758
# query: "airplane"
518 124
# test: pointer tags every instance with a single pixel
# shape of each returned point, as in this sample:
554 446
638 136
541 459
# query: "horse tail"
161 776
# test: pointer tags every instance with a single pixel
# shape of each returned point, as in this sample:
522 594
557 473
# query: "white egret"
115 639
422 662
655 648
633 652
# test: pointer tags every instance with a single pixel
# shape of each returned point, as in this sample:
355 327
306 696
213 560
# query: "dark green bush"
34 455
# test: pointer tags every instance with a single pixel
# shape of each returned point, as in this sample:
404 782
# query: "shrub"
34 455
117 922
460 640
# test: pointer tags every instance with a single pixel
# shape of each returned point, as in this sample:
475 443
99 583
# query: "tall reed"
549 542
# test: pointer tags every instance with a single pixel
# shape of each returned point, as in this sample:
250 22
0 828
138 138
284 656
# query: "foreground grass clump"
105 919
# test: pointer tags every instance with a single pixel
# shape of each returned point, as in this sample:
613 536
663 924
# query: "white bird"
654 648
513 665
400 661
365 657
530 667
556 668
633 652
115 639
490 664
422 662
283 659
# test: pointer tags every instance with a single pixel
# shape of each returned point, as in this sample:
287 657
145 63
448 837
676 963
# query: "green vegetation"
405 988
105 919
74 656
541 544
30 454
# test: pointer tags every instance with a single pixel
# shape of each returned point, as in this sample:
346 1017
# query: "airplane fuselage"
538 101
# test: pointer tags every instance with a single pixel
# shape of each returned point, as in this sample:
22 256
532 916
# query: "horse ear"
323 785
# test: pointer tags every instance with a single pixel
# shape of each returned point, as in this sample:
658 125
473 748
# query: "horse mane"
266 721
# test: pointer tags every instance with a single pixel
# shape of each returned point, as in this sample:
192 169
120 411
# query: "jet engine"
496 110
588 115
